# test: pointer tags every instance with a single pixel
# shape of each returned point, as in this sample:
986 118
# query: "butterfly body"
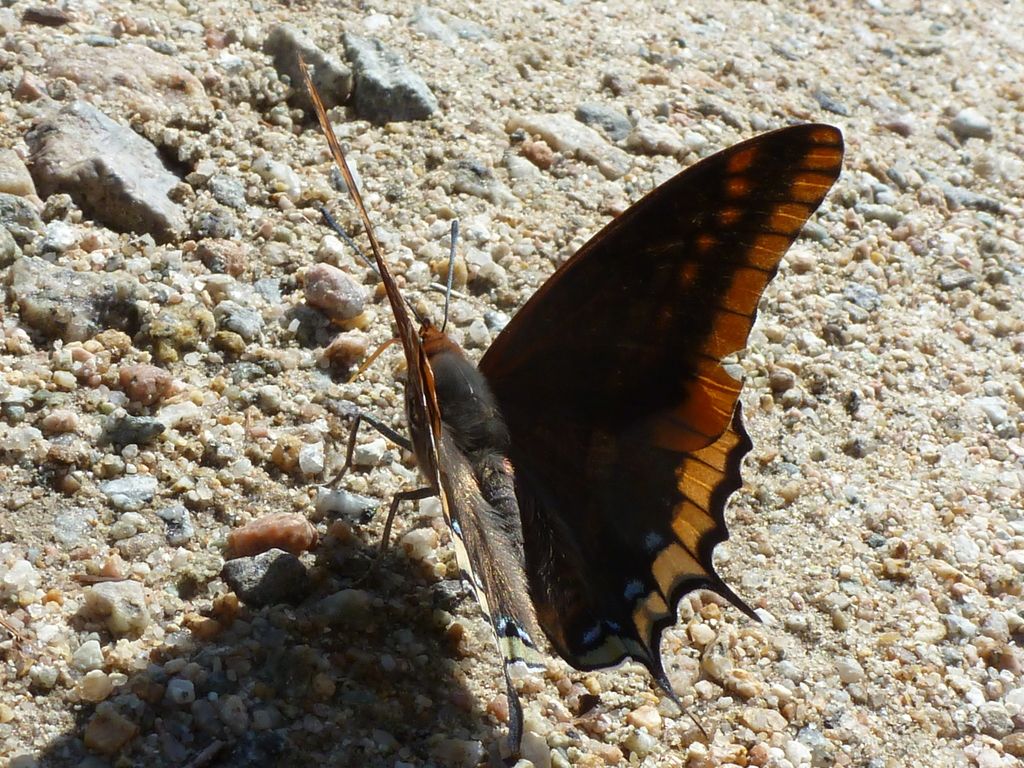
478 483
584 466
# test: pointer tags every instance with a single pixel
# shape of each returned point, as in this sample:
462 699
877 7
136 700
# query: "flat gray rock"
110 171
613 121
443 26
61 303
386 90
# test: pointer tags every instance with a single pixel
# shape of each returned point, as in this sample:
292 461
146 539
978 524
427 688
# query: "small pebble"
108 730
347 607
89 656
337 502
181 692
95 686
311 458
179 525
970 123
333 292
647 717
145 384
369 454
268 578
120 604
130 493
762 720
60 421
284 531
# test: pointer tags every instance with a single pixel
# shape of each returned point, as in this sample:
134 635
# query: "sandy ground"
879 532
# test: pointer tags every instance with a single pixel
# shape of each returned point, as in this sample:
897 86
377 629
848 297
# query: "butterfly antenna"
451 273
399 306
333 224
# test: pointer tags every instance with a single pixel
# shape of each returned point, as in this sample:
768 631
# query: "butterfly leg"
416 495
398 439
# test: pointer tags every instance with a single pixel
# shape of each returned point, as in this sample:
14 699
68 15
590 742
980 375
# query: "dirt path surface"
173 362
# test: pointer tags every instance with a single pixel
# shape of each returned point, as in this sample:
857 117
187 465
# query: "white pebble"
369 454
420 544
311 458
89 656
850 670
95 686
44 676
798 754
21 576
279 177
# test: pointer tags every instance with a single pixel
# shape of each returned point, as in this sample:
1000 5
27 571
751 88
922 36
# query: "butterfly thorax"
468 407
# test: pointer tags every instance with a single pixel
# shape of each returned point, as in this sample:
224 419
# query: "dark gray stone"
830 103
19 217
268 578
385 89
131 430
959 197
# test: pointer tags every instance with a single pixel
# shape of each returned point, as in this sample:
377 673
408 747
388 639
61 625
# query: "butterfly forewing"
625 431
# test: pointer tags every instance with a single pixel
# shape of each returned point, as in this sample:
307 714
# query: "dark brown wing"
625 430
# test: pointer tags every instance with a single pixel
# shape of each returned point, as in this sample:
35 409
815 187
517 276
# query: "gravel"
176 355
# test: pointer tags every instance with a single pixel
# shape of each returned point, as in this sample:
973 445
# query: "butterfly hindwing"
625 433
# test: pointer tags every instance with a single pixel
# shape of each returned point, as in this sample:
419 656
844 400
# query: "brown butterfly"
584 466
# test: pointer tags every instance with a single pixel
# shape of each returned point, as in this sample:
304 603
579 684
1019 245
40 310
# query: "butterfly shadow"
362 668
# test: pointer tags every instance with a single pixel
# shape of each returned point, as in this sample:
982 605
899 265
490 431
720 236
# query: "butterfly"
584 466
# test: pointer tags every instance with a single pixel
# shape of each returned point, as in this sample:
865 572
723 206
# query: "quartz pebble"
337 502
95 686
88 657
970 123
121 605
